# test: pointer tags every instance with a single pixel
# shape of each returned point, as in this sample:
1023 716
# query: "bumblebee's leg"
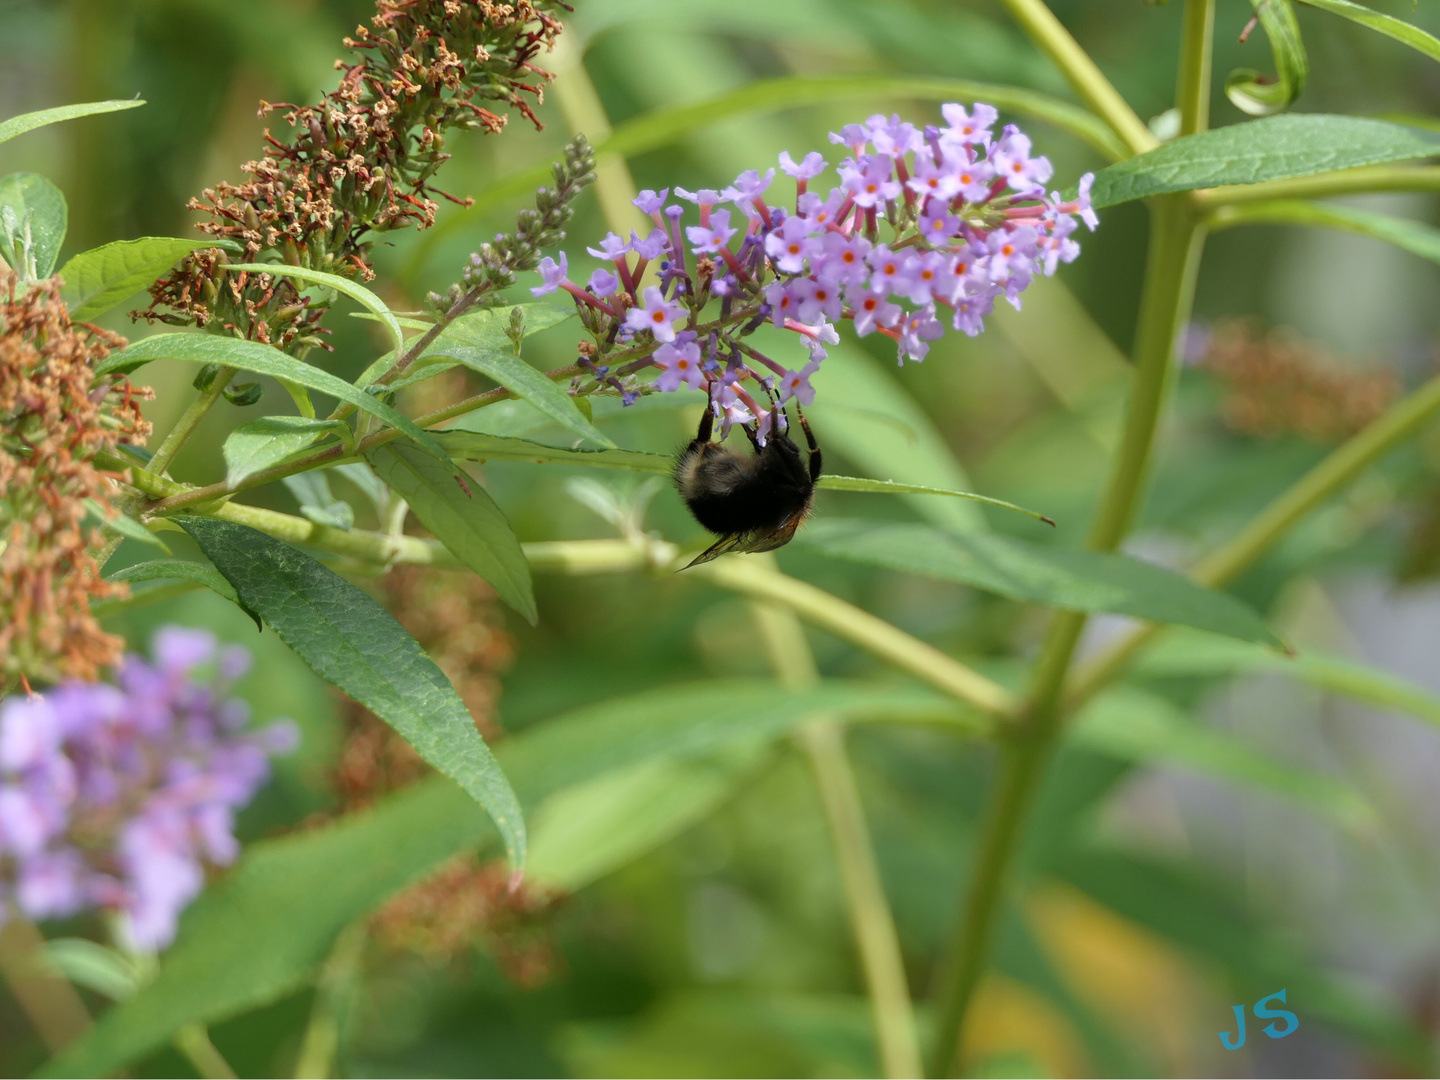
810 442
707 425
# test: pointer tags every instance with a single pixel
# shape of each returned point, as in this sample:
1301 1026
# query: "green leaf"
893 487
98 279
1068 578
1188 654
487 326
198 572
1415 237
267 926
317 502
1261 95
256 445
122 524
694 720
469 524
352 642
361 295
1259 150
520 379
584 832
1385 24
33 219
18 125
1140 727
262 360
476 446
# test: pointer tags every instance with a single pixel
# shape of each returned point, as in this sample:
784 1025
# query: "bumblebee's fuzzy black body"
753 502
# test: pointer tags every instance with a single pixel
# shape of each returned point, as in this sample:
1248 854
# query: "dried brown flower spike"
52 422
360 162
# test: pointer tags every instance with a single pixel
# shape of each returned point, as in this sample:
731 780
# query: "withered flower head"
53 419
468 904
1276 383
360 162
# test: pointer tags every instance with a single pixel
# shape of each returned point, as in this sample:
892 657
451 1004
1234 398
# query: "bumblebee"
753 502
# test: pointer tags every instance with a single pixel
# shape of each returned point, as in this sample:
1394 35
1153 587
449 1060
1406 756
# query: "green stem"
334 455
193 1041
1223 565
1368 178
1176 240
1020 769
618 556
871 920
190 420
1195 63
859 627
1040 23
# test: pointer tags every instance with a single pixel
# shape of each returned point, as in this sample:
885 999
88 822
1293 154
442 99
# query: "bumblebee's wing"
745 542
727 543
770 539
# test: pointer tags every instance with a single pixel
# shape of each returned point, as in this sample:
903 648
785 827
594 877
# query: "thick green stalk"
190 420
1176 238
1040 23
1175 243
822 741
1223 565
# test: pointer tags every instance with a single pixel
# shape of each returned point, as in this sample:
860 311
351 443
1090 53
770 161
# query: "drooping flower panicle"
966 221
54 417
117 796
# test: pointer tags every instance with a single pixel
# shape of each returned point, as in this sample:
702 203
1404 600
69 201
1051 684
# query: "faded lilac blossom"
923 232
120 796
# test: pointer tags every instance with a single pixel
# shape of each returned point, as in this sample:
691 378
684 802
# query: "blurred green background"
1152 896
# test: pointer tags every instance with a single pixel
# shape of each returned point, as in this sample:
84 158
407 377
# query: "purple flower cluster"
117 796
967 221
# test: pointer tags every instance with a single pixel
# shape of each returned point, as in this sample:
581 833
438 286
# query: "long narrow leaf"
477 446
1190 654
262 360
351 642
468 523
520 379
185 570
18 125
1415 237
1068 578
1388 25
1144 728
